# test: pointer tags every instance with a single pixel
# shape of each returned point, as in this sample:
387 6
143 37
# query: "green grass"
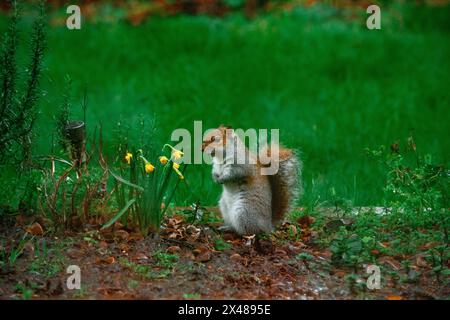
331 87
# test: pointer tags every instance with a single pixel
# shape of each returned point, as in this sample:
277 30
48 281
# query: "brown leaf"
203 257
103 244
140 256
136 236
118 225
394 298
421 262
236 257
390 261
280 252
109 260
173 249
121 235
264 246
198 251
35 229
74 253
124 247
305 221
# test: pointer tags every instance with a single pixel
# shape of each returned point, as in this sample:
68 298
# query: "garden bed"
197 261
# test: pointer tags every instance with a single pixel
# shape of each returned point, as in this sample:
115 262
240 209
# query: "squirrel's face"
215 141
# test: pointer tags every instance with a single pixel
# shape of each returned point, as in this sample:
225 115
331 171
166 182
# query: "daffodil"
163 159
128 157
176 154
176 168
149 168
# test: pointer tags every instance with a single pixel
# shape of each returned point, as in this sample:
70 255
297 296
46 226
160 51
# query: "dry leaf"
109 260
121 235
35 229
203 257
236 257
394 298
140 256
173 249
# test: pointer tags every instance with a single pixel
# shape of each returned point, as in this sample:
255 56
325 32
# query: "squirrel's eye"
213 138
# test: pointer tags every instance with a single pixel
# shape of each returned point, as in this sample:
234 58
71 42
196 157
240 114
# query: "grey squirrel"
251 203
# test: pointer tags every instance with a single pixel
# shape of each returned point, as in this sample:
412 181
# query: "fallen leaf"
236 257
109 260
121 235
103 244
280 252
203 257
140 256
35 229
74 253
394 298
393 263
305 221
173 249
135 237
124 247
421 262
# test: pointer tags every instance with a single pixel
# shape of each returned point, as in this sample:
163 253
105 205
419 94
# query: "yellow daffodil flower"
176 154
149 168
163 159
128 157
175 167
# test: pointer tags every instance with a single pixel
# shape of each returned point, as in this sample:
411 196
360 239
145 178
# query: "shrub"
18 111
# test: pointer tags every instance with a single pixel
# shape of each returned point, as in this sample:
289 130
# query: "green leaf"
119 178
119 214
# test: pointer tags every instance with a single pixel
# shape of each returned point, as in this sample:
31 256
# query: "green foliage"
165 260
414 183
25 291
63 117
304 256
70 193
18 111
8 257
164 264
234 4
151 185
346 249
199 214
221 245
416 204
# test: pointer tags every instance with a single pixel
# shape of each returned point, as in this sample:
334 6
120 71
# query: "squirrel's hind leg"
246 222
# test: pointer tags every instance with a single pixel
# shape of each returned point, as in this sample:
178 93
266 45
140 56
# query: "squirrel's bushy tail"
285 184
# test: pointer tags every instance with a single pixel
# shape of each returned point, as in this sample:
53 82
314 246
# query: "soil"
193 261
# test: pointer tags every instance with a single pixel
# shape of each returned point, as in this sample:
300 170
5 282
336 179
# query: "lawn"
331 86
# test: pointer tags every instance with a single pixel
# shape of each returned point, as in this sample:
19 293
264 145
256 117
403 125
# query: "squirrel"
251 203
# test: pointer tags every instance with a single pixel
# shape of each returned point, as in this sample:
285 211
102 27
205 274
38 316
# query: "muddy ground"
193 261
